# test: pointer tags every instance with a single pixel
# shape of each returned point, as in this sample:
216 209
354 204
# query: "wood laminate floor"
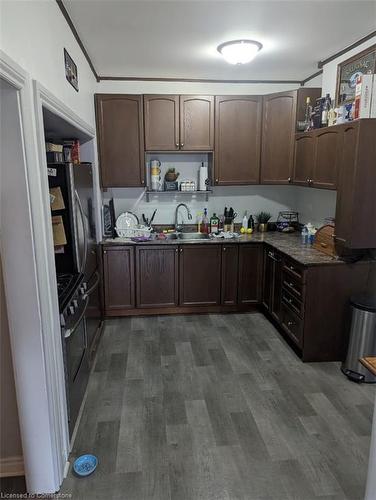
216 407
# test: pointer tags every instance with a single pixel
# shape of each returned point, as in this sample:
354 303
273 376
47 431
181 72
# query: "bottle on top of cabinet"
214 223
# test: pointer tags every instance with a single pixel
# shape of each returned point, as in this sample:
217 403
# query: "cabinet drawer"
292 325
293 285
292 302
294 270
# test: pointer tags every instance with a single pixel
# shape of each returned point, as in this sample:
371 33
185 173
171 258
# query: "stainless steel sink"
193 236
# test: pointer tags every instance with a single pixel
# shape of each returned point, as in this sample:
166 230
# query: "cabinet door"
250 273
119 284
161 122
278 137
120 140
230 261
237 139
327 156
200 275
304 159
157 276
196 122
267 290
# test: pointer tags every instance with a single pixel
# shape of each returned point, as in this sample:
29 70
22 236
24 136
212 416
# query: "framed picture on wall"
70 70
348 72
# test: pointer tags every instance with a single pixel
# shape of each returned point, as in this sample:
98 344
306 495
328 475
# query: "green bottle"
214 223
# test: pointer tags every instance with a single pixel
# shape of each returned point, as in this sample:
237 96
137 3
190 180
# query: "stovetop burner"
66 283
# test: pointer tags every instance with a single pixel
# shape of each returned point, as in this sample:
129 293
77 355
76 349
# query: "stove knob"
75 303
71 310
83 288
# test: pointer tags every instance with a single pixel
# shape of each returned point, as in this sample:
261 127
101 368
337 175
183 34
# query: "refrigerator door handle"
84 257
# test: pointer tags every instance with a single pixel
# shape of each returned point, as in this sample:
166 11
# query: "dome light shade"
239 51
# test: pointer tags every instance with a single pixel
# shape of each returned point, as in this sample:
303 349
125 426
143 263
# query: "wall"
34 34
10 439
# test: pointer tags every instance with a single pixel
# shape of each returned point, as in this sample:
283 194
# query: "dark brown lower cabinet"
157 276
119 281
230 265
271 295
200 275
250 273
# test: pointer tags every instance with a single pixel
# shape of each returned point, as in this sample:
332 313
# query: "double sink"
188 236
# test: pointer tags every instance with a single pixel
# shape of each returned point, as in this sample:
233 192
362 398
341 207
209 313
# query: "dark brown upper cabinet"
327 156
304 158
200 275
317 156
119 280
161 122
175 122
281 112
157 276
355 226
120 133
196 122
237 139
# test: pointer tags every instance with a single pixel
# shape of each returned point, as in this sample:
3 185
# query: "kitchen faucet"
177 226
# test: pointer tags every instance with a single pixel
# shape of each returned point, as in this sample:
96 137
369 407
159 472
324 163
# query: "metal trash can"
362 341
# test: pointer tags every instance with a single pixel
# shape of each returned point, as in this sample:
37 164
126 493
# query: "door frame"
40 383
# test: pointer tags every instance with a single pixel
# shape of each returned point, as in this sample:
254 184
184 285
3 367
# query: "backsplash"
313 205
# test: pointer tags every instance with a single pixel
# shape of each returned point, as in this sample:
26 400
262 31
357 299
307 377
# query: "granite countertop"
289 244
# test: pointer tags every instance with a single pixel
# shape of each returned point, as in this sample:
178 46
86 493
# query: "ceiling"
178 39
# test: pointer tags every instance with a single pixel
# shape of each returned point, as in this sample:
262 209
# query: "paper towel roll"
203 177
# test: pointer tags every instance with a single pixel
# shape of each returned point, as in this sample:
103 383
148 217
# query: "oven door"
77 365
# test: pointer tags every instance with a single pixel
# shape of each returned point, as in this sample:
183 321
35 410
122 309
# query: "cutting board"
324 241
370 363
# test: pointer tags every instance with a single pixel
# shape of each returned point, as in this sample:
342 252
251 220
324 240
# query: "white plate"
126 220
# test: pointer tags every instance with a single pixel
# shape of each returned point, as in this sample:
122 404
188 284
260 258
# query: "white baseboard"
12 466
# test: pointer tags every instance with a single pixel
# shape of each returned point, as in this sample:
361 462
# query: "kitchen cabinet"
317 157
356 207
161 122
200 275
281 112
250 273
271 296
157 276
175 122
230 266
120 135
304 158
119 279
237 139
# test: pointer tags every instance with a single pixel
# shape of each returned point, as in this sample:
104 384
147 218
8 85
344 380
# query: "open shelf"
174 193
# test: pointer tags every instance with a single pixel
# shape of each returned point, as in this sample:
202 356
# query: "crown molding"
311 77
320 64
190 80
77 37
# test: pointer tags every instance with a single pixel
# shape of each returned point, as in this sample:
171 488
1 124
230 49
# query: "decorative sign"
348 72
70 70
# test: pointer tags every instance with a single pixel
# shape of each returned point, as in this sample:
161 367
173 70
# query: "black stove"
66 285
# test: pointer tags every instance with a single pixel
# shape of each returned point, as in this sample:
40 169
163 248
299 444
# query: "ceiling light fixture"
239 51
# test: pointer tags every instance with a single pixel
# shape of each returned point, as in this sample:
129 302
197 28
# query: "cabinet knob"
177 144
289 179
217 180
142 182
104 251
224 249
182 144
176 250
307 180
290 323
181 250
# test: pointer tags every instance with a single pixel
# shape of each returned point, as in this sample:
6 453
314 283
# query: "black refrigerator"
78 278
